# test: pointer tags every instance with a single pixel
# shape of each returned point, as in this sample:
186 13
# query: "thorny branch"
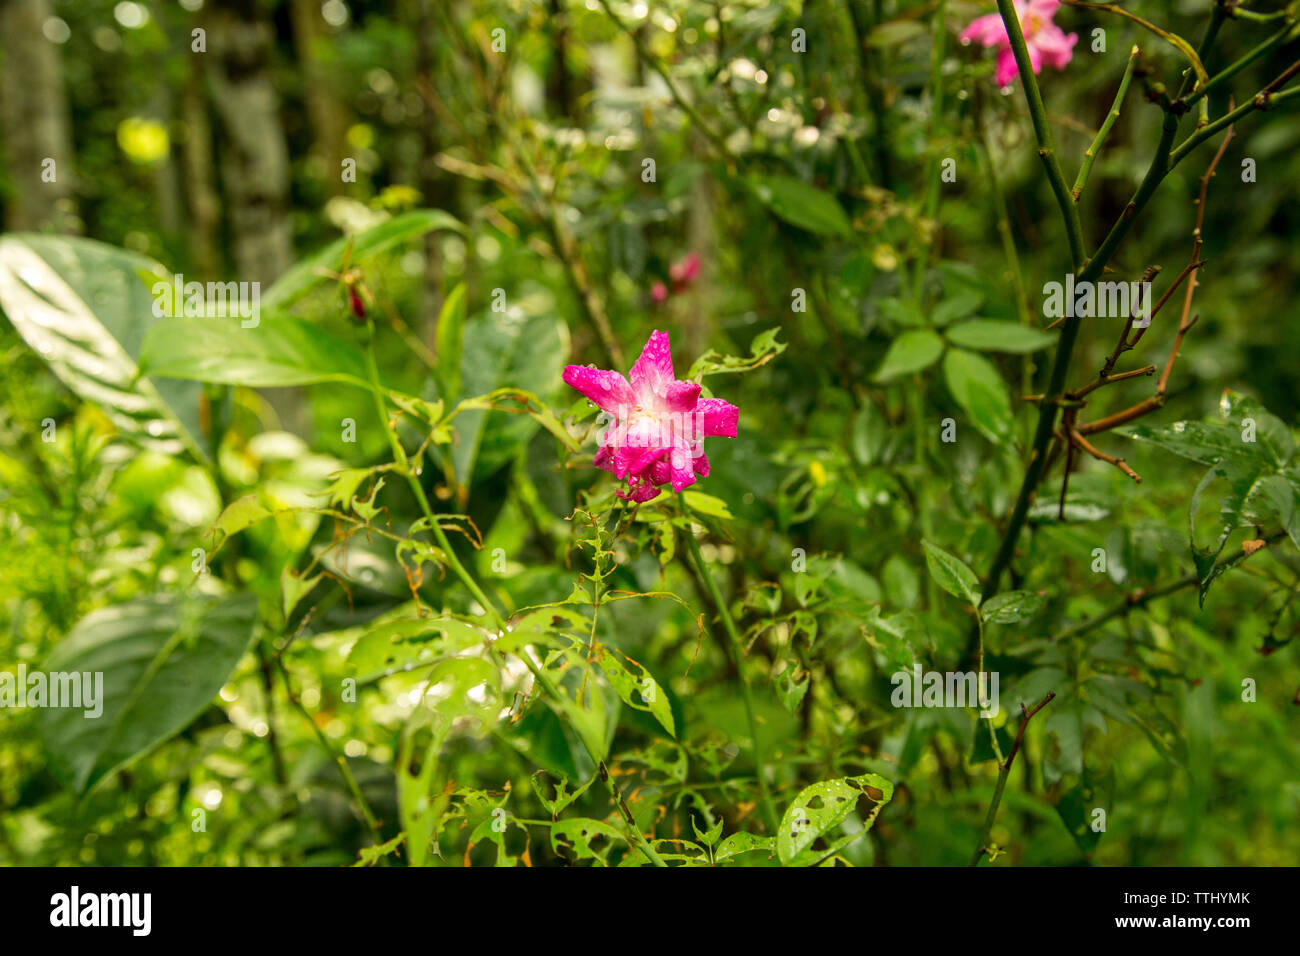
1073 433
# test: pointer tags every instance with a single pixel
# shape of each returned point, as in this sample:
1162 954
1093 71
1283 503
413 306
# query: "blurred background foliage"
796 203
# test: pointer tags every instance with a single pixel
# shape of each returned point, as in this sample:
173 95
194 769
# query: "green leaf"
279 351
743 842
1077 806
1012 607
977 387
84 308
304 274
450 338
1207 443
992 335
762 350
163 660
823 806
790 688
1256 424
802 205
951 574
910 352
401 643
637 688
701 504
504 350
1243 477
575 839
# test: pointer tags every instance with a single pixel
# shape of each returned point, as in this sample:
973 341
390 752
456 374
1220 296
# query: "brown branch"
1025 717
1185 323
1004 770
1077 439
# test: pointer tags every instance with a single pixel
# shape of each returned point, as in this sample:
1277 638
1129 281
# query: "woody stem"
735 651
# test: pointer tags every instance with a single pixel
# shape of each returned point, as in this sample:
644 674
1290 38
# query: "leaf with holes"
822 807
576 839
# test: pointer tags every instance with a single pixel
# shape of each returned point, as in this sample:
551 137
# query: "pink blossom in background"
1048 44
685 271
681 274
659 422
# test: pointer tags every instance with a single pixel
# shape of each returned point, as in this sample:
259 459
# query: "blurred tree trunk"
327 114
36 120
203 203
254 159
559 86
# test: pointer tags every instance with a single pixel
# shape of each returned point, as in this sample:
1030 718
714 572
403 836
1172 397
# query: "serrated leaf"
637 688
743 842
952 574
1012 607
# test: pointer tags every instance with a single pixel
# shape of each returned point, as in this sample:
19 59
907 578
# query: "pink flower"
1047 42
681 274
656 436
685 271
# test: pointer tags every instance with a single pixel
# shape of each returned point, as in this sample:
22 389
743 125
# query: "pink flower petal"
681 396
642 491
1044 9
607 389
701 465
987 31
654 369
680 468
630 462
1054 45
1007 70
720 418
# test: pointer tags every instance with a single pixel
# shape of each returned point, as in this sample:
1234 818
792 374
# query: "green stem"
1288 32
1042 132
936 124
735 650
399 457
635 836
1261 101
340 761
488 605
1090 154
